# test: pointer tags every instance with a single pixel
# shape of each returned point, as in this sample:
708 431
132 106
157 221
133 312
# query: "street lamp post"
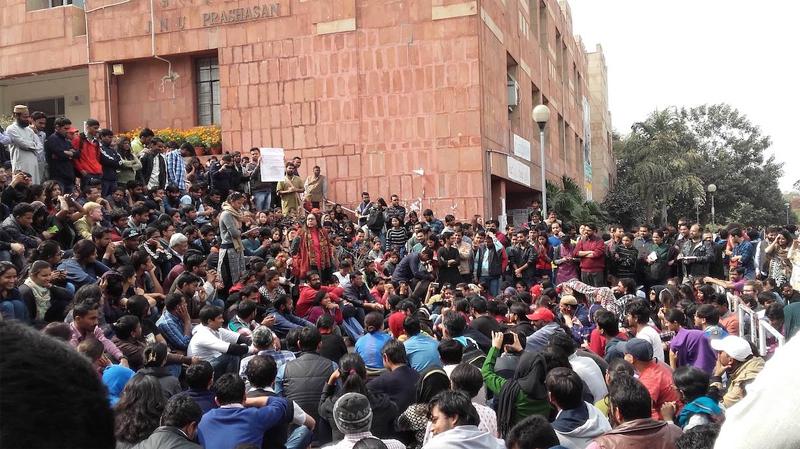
697 201
711 189
541 114
787 212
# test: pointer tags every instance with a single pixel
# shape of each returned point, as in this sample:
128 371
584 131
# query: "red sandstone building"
430 99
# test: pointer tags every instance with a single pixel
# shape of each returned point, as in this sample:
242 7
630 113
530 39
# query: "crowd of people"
152 300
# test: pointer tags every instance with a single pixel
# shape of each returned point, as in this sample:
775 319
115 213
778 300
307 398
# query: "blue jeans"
493 282
225 363
14 309
262 200
300 438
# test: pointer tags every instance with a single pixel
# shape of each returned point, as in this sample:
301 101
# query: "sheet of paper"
273 168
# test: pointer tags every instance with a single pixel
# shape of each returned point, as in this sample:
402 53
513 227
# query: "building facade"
430 99
604 164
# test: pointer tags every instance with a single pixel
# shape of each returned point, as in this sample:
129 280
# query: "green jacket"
494 382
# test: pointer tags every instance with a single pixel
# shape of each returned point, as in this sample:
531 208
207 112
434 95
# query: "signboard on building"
518 171
522 148
273 168
587 149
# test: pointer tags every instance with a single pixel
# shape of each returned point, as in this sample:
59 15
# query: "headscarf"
529 379
431 382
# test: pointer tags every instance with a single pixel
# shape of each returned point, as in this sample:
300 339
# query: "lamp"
541 114
711 189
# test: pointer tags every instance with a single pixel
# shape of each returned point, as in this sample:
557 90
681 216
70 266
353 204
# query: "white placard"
518 171
522 147
273 165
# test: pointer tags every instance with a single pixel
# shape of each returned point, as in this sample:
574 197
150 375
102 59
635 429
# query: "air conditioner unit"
513 94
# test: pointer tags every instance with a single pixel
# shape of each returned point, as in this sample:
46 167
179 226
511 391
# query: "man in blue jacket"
232 423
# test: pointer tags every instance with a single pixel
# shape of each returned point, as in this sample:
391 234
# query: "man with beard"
696 254
25 144
309 291
289 189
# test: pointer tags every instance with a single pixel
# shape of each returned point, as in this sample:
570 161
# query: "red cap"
543 314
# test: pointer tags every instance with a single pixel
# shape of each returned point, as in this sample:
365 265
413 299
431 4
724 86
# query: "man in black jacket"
59 153
154 166
227 178
178 426
110 160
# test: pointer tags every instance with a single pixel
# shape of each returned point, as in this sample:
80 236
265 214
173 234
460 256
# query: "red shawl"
307 256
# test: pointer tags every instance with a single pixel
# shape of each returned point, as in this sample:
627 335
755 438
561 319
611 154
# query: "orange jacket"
89 160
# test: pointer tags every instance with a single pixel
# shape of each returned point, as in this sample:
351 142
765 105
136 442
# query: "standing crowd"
152 300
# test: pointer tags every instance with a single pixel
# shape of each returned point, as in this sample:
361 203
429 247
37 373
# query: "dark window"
52 107
208 110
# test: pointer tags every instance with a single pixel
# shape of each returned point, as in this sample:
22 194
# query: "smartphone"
508 338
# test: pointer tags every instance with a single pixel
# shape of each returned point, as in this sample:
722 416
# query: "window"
54 3
208 98
52 107
543 25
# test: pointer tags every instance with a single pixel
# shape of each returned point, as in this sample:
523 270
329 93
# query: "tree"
669 159
658 157
732 157
569 202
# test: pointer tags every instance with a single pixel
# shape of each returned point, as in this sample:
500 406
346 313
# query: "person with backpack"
376 221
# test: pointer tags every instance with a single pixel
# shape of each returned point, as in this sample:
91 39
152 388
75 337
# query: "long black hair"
353 374
138 412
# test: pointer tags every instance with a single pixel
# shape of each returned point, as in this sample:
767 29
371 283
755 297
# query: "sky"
689 53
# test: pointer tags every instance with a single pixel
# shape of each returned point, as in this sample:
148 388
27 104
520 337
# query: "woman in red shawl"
312 251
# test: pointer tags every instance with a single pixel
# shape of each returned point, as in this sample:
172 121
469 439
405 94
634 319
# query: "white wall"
68 84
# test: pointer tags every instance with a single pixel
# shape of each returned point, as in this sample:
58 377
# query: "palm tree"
662 154
569 202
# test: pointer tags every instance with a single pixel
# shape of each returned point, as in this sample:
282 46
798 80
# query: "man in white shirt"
638 316
213 343
585 367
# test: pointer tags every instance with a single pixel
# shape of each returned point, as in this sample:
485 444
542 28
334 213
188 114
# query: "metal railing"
759 329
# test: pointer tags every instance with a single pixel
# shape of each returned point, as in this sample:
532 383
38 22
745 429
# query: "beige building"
604 165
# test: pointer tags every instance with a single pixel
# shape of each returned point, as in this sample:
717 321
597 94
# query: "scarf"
704 405
237 241
42 297
662 251
601 295
528 379
307 256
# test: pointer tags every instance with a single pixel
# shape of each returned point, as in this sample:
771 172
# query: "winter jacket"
111 162
148 158
384 412
704 253
307 293
464 437
302 381
59 300
26 236
639 433
89 158
410 268
61 166
167 437
576 427
169 383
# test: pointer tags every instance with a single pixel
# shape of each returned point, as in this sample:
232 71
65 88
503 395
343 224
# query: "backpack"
375 219
473 355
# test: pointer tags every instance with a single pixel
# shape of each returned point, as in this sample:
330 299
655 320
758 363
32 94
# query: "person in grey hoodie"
454 423
577 422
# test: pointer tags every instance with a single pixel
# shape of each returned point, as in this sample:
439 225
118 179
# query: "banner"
273 164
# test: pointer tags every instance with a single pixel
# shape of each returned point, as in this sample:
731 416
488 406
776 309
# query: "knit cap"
352 413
